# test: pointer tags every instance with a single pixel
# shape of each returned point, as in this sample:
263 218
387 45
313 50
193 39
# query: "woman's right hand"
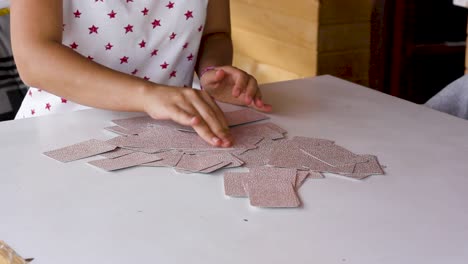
189 107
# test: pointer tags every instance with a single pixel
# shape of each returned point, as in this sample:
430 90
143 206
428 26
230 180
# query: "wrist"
143 95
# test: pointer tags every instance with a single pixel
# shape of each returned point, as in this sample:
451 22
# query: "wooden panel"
306 9
276 25
274 39
277 53
344 39
341 37
350 65
263 72
345 11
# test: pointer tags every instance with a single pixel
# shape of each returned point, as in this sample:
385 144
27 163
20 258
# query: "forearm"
63 72
215 50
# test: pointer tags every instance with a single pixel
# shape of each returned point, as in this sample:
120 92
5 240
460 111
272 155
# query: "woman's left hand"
231 85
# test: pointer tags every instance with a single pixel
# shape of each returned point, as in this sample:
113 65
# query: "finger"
213 77
218 112
206 134
209 117
199 125
266 108
183 117
219 75
226 137
251 90
240 84
258 98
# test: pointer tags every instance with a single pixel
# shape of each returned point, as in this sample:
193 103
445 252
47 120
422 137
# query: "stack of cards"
278 166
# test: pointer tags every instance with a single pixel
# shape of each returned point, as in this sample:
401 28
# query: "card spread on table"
243 116
233 184
168 159
121 131
278 167
127 161
234 118
81 150
116 153
272 193
301 177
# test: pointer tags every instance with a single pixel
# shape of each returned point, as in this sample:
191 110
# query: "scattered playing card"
116 153
243 116
233 184
126 161
272 193
168 159
81 150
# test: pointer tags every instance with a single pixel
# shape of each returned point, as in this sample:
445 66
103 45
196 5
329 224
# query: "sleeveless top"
157 40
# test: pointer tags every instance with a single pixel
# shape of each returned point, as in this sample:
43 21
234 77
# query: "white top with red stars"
157 40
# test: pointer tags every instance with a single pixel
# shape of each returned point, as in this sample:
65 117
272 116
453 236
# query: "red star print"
156 23
39 90
33 112
170 5
74 45
90 58
109 46
200 28
135 71
124 59
145 11
64 101
164 66
112 14
173 74
188 15
128 28
47 106
190 57
146 78
77 13
93 29
30 93
172 36
142 44
185 45
154 53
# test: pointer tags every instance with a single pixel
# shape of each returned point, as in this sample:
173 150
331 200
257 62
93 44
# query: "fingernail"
215 140
227 144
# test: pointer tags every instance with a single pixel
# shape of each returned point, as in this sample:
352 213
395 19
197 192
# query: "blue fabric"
453 99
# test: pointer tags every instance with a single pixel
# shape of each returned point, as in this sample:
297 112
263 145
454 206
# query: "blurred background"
407 48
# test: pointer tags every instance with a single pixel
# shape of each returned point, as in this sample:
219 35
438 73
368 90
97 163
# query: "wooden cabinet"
275 39
280 40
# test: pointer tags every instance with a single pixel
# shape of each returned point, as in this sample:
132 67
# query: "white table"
417 213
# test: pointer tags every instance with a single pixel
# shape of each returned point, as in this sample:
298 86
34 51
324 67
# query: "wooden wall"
344 39
275 39
279 40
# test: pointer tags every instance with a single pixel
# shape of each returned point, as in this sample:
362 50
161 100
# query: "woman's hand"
189 107
231 85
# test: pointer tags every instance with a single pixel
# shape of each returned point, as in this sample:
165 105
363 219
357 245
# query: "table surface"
417 213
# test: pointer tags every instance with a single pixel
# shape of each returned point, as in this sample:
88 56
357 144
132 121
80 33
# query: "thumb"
213 77
219 75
